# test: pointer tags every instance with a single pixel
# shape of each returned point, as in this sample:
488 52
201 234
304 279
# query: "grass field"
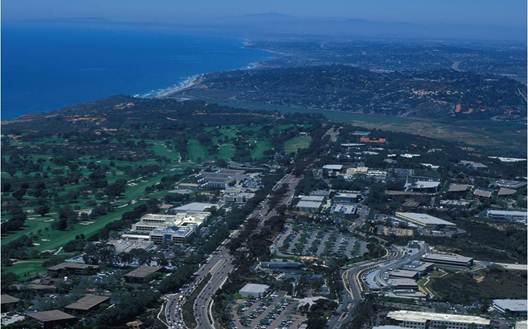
294 144
226 151
52 240
196 151
259 147
26 268
160 149
501 137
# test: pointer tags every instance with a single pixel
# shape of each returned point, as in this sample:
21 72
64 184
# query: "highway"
219 265
353 277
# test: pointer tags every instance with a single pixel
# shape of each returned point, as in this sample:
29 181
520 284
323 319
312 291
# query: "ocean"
49 66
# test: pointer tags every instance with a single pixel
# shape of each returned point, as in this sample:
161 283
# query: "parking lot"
318 241
272 311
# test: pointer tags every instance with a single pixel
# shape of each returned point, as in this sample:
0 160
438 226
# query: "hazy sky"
472 12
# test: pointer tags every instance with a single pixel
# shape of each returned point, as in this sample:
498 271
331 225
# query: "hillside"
431 94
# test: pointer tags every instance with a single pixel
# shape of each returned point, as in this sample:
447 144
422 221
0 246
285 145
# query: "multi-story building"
168 228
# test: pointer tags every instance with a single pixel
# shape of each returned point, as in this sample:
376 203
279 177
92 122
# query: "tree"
42 210
116 189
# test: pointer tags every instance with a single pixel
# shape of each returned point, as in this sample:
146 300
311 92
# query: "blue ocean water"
48 67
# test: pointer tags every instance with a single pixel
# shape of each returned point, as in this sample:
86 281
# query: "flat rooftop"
514 305
422 219
447 258
458 187
319 198
507 213
402 282
425 184
333 167
72 266
195 207
143 271
309 204
403 273
87 302
52 315
255 288
425 316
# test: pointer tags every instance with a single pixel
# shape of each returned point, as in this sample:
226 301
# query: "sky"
507 13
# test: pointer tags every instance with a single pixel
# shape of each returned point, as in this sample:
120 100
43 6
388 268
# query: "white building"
423 320
511 215
195 207
332 169
309 206
253 290
517 306
168 228
423 220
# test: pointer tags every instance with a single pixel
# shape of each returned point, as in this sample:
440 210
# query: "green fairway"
496 136
226 151
26 268
196 151
294 144
159 148
258 149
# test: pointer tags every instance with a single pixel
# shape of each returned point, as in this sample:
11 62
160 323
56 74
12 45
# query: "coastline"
195 79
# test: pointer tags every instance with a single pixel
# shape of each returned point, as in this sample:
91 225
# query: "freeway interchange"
354 280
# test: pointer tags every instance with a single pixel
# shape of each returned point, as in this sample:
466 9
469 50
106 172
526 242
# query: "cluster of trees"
495 282
17 220
18 249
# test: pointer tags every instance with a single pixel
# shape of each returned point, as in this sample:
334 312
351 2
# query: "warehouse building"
423 320
448 260
512 306
424 220
253 290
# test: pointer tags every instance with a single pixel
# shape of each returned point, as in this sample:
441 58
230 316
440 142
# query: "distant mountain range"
274 25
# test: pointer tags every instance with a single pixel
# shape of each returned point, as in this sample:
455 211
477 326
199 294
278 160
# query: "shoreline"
196 79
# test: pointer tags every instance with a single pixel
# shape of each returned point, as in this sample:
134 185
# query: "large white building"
423 320
253 290
167 228
516 306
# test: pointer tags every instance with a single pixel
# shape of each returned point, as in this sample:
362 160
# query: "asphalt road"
219 265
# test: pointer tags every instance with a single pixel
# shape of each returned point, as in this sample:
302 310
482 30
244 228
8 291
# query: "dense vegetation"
482 286
345 88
